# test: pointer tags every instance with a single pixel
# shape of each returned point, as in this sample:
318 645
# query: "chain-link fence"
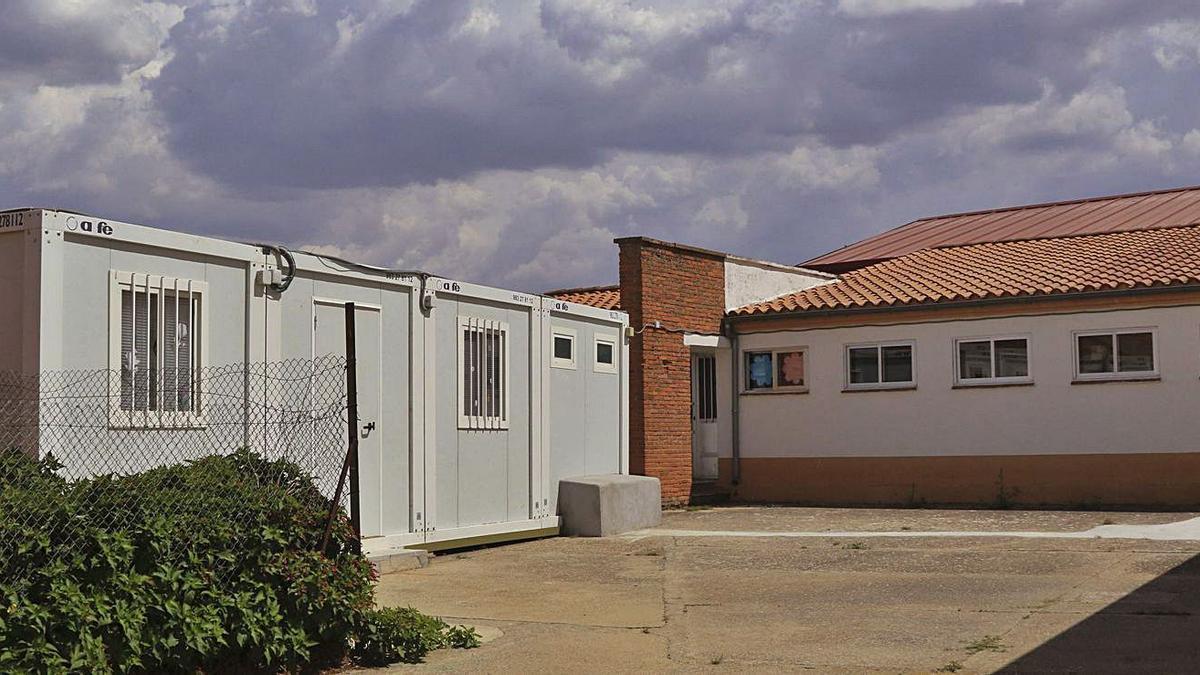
103 426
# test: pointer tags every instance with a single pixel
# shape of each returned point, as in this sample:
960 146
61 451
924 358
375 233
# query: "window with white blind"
482 373
156 336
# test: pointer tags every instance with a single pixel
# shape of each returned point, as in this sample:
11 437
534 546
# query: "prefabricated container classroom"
473 401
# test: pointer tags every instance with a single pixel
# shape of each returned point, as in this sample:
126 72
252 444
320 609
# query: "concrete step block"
604 505
399 560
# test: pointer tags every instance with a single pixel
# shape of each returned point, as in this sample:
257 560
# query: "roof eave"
990 302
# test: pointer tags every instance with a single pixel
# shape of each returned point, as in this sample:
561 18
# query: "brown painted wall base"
1153 481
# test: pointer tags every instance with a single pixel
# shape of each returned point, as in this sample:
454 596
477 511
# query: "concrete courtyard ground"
732 589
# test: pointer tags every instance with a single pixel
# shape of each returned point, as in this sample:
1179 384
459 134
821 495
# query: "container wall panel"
584 403
87 263
482 474
81 327
312 320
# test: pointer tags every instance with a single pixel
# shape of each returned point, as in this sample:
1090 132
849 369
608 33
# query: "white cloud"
1098 113
1144 139
1191 142
1176 43
722 212
889 7
818 166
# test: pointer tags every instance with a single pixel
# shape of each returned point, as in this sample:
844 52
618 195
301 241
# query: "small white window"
1124 354
157 342
998 360
881 365
562 345
776 370
606 354
482 373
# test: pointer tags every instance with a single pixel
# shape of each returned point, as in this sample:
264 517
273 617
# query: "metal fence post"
350 463
352 423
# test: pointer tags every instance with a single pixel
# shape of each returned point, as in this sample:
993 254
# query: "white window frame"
155 285
881 385
960 381
597 366
570 334
466 420
775 386
1116 375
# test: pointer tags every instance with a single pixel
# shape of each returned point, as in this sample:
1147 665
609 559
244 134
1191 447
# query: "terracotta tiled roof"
604 297
1052 266
1117 213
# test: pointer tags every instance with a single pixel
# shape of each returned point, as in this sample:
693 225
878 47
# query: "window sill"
992 385
882 387
1111 380
774 392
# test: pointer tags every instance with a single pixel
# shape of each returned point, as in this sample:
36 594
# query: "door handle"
368 428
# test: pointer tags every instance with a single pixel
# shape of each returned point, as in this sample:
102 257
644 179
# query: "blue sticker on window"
759 366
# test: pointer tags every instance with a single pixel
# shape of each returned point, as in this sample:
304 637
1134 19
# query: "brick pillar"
684 289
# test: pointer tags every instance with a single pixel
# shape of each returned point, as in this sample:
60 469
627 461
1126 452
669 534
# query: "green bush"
403 634
209 565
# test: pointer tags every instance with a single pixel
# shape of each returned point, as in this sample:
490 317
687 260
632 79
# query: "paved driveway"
736 589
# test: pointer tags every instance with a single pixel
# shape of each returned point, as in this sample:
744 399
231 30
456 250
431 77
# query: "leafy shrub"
462 637
403 634
209 565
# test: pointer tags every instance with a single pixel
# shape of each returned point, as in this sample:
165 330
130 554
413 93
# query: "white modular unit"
588 428
466 425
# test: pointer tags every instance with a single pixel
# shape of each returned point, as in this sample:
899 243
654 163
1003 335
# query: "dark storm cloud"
508 141
352 95
65 43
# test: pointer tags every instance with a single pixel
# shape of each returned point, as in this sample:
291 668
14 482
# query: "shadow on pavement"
1153 629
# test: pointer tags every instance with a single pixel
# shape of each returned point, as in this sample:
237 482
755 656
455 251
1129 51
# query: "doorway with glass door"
704 416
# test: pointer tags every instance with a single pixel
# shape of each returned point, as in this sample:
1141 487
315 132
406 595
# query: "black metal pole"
333 505
352 424
350 461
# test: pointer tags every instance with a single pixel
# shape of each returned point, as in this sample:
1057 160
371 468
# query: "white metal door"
704 416
329 337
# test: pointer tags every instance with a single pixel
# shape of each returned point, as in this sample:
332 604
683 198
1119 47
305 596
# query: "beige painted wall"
748 281
1050 417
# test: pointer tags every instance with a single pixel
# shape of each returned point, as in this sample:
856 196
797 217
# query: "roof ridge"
1079 235
1064 202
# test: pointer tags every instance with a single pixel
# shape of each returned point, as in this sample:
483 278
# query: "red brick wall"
684 290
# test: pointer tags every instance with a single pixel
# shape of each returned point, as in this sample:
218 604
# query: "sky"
509 142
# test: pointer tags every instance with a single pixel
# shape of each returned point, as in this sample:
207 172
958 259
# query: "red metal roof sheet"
1075 264
1117 213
